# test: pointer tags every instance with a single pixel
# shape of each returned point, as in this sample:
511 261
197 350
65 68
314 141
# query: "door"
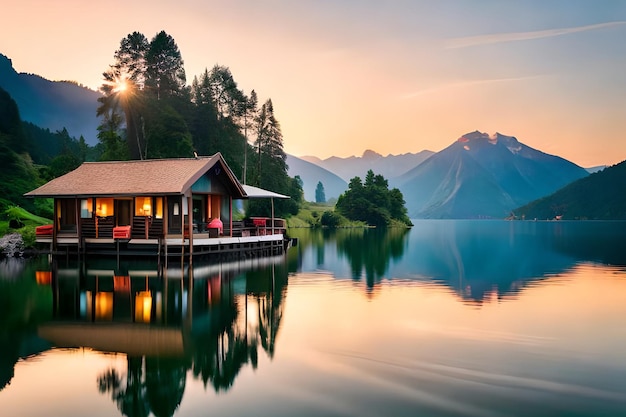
122 212
174 215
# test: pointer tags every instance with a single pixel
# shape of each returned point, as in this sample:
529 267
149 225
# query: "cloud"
522 36
464 83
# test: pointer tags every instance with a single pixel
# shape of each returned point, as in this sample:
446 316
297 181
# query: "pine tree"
320 195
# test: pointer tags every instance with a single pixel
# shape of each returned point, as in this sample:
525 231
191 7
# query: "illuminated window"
104 207
158 212
143 206
86 208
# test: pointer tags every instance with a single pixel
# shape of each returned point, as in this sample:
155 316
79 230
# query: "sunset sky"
347 75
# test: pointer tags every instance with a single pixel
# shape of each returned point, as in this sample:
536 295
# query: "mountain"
595 169
52 104
483 176
389 166
311 174
600 196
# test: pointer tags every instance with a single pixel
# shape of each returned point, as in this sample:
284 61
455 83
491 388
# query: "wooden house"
165 206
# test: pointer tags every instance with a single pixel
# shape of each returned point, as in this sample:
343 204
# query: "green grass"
310 215
19 213
29 220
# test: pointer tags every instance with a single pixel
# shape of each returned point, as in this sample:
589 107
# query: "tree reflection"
165 384
370 251
128 393
232 316
234 341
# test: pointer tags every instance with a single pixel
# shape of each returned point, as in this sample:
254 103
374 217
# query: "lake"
450 318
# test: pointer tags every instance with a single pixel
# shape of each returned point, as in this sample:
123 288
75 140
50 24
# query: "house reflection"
211 319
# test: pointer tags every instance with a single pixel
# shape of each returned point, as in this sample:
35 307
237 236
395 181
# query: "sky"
350 75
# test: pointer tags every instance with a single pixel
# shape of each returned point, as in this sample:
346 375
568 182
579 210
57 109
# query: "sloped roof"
147 177
256 192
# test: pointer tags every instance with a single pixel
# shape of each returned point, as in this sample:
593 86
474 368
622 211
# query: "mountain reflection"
212 320
478 260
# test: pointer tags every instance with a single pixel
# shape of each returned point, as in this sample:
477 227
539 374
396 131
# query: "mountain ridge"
52 104
357 166
599 196
483 176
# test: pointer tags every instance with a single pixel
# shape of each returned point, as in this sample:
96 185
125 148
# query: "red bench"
45 230
121 232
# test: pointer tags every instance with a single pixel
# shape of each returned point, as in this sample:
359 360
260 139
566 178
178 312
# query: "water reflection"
212 320
478 260
23 305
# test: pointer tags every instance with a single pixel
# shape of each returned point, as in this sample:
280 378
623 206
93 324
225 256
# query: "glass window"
158 212
143 206
86 208
104 207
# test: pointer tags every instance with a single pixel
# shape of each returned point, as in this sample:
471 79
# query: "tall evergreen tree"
130 58
249 115
165 73
320 195
123 93
226 95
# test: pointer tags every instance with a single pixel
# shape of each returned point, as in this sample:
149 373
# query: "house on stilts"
161 207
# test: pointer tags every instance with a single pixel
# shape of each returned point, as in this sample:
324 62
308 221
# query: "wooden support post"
190 225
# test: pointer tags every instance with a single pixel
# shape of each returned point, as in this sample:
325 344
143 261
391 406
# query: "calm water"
452 318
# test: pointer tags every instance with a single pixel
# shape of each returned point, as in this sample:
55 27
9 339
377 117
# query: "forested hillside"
17 172
54 105
600 196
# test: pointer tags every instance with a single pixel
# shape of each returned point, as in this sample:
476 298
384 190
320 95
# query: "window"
158 212
86 208
104 207
147 206
143 206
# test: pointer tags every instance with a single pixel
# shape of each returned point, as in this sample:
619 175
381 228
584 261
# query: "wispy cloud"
464 83
522 36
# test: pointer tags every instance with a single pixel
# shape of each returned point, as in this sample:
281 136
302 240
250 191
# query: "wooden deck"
169 246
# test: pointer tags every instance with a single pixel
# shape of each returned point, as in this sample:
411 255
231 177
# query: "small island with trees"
370 202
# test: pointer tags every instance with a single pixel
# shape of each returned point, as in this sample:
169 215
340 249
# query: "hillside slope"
52 104
600 196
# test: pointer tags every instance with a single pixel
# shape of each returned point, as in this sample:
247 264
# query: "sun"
120 86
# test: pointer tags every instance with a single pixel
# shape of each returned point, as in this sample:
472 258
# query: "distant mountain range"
389 166
52 104
477 176
336 172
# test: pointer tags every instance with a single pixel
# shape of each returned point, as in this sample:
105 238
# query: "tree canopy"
372 202
148 112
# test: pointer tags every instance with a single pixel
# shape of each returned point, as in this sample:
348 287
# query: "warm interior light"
143 306
104 306
43 277
146 209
